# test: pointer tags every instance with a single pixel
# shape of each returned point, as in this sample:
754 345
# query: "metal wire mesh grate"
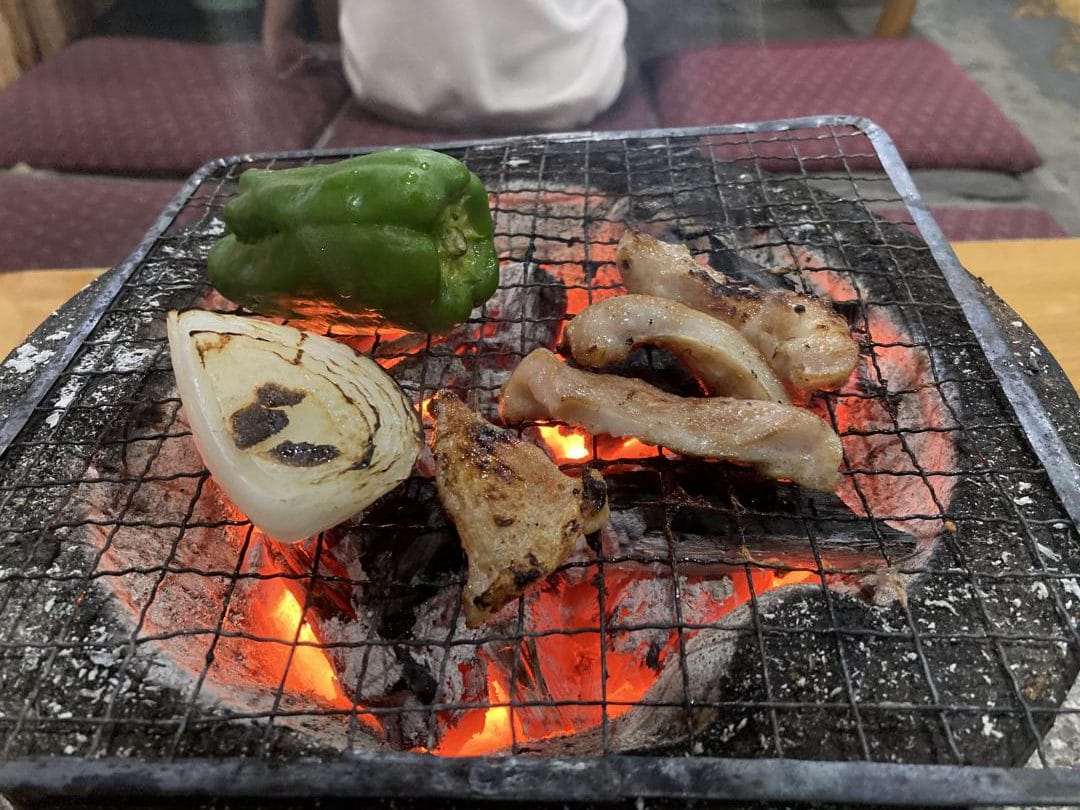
925 614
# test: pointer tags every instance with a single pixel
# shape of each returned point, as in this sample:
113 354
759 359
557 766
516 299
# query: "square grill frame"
606 778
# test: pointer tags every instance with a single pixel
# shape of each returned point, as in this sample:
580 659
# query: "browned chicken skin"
721 358
780 441
806 343
517 515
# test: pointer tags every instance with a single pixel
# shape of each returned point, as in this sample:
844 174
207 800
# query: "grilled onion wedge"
299 430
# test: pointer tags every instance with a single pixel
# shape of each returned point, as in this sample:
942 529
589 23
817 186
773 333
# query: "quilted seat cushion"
357 127
55 221
960 223
157 107
937 116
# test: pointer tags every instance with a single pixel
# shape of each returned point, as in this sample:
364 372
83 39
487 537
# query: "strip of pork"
780 441
711 350
517 514
807 343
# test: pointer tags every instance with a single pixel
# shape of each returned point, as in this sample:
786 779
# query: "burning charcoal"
173 581
216 610
463 669
739 268
367 668
660 368
792 534
721 515
403 576
525 312
409 678
646 602
330 591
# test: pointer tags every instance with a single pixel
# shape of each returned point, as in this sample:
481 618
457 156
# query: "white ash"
946 604
625 528
648 600
183 607
989 729
27 358
1070 585
1047 552
126 360
464 676
64 398
366 669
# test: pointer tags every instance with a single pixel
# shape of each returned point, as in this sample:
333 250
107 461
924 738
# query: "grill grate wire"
792 192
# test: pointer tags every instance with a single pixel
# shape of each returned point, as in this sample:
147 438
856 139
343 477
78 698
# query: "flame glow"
309 668
572 665
425 411
482 731
568 444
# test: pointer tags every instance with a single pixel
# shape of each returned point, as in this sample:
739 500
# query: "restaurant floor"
1013 60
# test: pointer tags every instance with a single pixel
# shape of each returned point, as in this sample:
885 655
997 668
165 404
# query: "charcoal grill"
910 641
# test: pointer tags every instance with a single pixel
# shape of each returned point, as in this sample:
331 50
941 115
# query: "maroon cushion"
938 117
150 106
997 222
356 126
57 221
633 109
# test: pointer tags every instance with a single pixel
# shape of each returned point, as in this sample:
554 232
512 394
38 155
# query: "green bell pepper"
402 235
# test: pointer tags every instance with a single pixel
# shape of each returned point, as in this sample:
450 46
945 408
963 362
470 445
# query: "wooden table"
29 296
1038 278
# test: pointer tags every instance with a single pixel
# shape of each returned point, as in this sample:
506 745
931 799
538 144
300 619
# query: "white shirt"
509 64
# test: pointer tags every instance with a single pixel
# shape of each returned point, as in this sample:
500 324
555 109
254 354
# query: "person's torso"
507 63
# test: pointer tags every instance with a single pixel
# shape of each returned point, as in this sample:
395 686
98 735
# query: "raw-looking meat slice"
713 351
806 343
780 441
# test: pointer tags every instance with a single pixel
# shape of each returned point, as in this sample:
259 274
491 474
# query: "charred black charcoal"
406 563
659 368
740 269
526 311
28 550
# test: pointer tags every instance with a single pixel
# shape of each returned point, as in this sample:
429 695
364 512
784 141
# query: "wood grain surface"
30 296
1040 280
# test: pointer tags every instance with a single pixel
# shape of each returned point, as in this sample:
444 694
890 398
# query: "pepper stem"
454 242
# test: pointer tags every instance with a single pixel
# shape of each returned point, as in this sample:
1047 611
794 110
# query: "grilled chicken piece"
780 441
713 351
802 338
517 515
